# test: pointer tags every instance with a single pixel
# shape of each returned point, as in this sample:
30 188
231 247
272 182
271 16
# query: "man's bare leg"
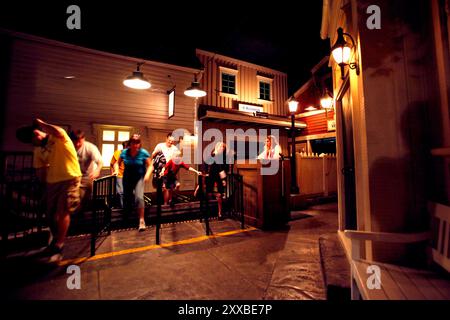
63 223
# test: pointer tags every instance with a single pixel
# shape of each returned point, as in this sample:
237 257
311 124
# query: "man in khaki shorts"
56 154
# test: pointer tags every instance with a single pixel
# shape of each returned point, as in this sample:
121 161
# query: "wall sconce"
342 50
137 80
195 91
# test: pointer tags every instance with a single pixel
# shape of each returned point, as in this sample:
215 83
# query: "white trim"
264 79
228 70
228 95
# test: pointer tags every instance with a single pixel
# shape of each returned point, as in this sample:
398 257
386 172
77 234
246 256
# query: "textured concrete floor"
256 264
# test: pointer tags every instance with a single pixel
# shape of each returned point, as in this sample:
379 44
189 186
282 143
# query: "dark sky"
277 34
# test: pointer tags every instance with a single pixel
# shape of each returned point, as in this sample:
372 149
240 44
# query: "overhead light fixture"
137 80
341 52
310 108
195 91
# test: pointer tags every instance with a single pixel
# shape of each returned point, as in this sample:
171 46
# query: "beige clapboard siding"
247 86
37 88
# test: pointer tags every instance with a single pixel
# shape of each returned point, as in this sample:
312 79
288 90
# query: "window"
111 140
228 83
326 145
264 90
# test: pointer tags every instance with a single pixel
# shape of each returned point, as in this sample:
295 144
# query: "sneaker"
141 225
51 254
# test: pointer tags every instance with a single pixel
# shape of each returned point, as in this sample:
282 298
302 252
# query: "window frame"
268 81
232 72
100 128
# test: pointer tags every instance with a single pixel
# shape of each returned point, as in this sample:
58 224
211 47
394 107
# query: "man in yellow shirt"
56 154
119 173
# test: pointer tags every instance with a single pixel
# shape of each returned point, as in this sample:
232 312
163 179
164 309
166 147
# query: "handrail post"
159 199
94 217
205 197
241 200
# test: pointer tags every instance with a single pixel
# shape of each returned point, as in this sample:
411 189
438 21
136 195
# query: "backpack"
159 162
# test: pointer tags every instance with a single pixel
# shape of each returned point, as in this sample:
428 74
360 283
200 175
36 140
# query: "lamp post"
293 104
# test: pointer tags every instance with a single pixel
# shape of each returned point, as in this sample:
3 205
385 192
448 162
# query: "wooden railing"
21 205
234 197
104 191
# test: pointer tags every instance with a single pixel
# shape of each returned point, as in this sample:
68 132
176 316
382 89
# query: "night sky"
278 35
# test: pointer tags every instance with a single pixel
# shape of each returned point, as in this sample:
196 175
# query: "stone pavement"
253 264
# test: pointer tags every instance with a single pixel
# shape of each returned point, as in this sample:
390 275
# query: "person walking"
91 165
55 154
119 172
137 171
217 170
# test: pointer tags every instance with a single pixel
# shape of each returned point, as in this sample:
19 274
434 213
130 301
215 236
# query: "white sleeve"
96 156
157 148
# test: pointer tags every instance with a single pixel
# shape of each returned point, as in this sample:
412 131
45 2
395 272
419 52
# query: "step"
335 268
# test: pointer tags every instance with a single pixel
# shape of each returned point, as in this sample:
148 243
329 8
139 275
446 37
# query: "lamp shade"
326 103
195 91
137 81
293 104
341 50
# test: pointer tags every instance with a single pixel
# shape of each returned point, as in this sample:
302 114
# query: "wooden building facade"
80 88
319 135
242 95
392 120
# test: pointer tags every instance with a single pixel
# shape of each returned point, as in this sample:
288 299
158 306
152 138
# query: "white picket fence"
316 174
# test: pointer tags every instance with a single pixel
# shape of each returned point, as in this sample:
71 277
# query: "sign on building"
331 125
250 108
